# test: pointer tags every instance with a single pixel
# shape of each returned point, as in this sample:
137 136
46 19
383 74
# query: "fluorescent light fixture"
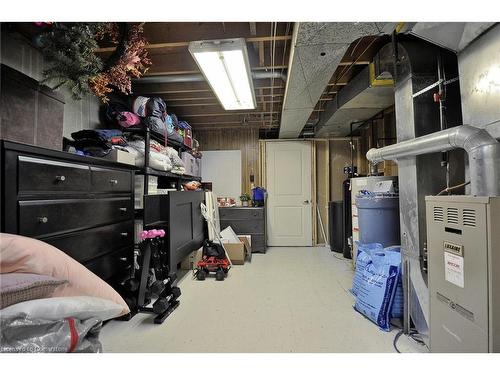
224 64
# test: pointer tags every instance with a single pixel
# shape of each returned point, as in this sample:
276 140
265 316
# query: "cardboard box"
120 156
189 262
248 238
238 252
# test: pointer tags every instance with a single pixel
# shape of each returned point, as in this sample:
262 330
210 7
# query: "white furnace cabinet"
463 241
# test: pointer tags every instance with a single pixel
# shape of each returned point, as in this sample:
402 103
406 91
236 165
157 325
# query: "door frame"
263 175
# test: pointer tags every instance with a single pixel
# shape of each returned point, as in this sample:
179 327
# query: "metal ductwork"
455 36
362 98
413 66
483 151
198 77
317 49
412 63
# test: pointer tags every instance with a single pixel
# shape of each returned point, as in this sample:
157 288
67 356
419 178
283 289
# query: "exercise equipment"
163 303
157 287
154 279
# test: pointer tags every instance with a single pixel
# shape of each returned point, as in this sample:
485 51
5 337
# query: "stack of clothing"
98 142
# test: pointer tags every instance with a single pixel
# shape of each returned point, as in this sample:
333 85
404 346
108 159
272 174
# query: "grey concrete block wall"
20 55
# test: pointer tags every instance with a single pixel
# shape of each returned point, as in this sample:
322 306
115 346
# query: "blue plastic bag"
363 258
398 302
376 288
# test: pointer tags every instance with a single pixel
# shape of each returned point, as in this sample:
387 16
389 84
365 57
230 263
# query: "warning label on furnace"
454 269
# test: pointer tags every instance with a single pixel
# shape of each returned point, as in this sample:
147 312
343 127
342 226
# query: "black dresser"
246 221
84 206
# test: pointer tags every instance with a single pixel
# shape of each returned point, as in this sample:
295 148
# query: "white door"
288 180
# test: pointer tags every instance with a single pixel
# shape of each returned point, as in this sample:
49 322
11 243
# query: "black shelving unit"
149 213
147 171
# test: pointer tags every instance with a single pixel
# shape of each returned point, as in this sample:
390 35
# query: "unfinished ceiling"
306 77
175 77
324 57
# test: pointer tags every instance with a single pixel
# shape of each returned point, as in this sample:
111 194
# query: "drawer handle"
123 209
43 219
124 234
60 178
113 182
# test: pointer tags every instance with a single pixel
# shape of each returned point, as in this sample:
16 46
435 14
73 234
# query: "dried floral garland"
70 49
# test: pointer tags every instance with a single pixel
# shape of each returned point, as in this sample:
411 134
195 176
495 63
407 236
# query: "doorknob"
306 202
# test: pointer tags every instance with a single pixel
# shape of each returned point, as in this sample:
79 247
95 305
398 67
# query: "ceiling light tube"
224 64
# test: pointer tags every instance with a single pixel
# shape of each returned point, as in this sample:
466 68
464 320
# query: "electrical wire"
396 338
273 49
342 258
413 335
348 67
448 189
287 31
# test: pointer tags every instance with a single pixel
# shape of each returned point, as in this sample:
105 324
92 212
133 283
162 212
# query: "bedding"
27 255
157 160
20 287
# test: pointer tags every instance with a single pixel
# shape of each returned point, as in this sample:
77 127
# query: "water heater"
463 245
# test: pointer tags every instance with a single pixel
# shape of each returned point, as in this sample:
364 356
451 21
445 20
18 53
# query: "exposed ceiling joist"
230 114
174 104
210 97
153 91
172 45
358 62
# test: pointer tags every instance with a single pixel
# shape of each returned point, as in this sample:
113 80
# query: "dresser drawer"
241 213
244 226
41 218
110 180
91 243
112 265
41 175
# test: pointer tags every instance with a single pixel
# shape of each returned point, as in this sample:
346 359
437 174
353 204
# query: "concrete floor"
292 299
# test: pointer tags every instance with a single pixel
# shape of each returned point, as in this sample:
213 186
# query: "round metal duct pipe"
483 151
198 77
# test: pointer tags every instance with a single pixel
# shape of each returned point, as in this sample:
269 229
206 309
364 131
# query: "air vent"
438 214
452 215
469 217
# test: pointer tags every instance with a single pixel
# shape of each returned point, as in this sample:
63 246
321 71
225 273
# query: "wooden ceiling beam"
359 62
209 97
261 54
159 32
172 103
229 114
156 90
185 44
180 61
179 72
211 127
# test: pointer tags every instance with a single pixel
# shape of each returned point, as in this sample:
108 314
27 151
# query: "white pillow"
56 308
